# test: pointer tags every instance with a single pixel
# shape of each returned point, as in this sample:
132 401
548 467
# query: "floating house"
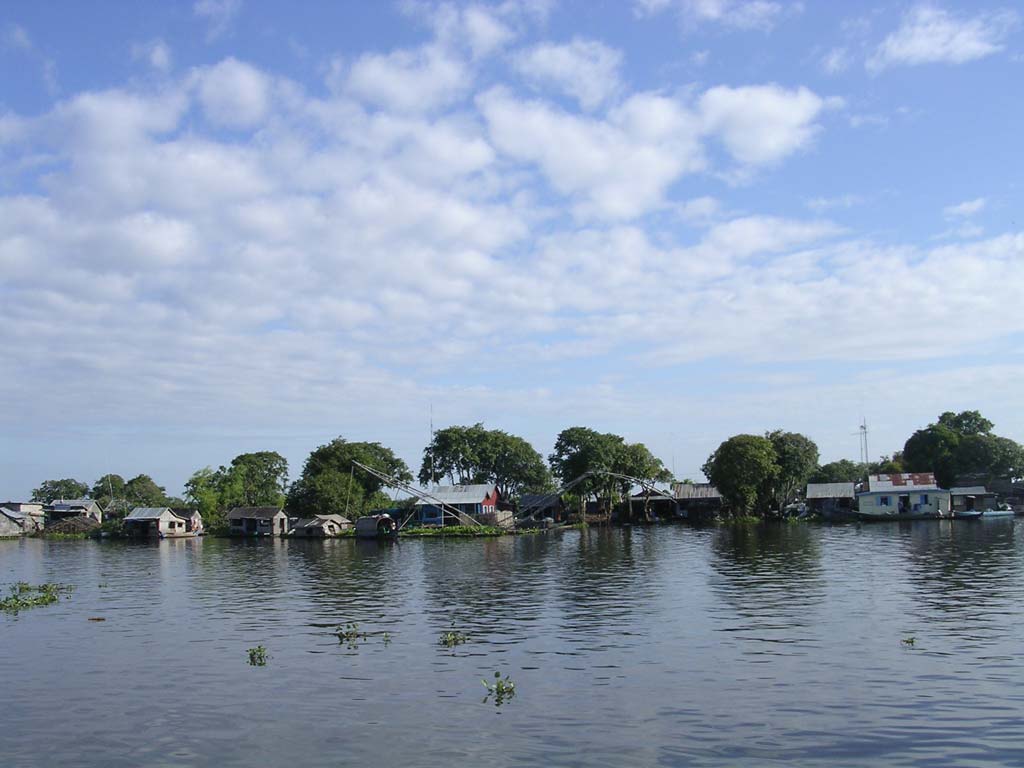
258 521
321 527
542 505
31 510
702 497
912 494
58 510
376 526
163 523
12 523
482 503
970 498
831 499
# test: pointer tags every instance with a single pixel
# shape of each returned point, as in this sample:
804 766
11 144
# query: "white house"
913 494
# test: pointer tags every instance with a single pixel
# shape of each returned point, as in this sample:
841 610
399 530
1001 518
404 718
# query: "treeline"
755 473
760 474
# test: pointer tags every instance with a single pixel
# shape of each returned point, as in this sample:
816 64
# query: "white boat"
968 514
1003 510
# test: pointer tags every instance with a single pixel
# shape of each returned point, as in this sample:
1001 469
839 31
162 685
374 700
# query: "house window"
924 498
884 501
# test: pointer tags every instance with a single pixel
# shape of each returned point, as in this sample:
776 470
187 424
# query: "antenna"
865 457
431 444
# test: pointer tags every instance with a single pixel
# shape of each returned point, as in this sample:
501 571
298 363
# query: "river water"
764 645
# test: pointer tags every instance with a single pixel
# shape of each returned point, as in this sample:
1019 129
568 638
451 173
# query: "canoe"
968 514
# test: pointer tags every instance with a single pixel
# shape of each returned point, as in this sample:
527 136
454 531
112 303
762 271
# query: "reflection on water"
750 645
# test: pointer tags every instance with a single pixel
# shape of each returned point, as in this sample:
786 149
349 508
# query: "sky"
236 225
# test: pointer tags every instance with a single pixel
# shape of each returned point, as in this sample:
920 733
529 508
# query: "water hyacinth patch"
502 689
258 656
24 595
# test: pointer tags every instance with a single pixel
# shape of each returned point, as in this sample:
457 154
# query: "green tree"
933 449
966 423
740 468
989 455
50 490
263 478
842 471
109 493
796 457
331 484
204 492
476 455
579 450
142 491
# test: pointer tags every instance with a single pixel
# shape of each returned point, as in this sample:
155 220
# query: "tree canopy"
467 455
796 458
330 484
962 444
66 488
842 471
262 478
741 468
579 450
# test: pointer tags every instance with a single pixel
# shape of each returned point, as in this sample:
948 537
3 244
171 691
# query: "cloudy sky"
229 226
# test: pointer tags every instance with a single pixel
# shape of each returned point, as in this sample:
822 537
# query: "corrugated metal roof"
73 504
695 491
830 491
458 494
970 490
13 514
908 481
148 513
259 513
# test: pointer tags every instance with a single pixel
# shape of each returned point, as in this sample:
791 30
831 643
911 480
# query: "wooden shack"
321 527
831 499
258 521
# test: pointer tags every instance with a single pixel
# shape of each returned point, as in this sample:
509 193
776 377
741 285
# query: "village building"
971 498
482 503
831 499
163 522
30 512
910 494
542 505
13 523
258 521
321 527
697 497
62 509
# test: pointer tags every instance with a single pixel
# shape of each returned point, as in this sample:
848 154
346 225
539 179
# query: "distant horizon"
229 226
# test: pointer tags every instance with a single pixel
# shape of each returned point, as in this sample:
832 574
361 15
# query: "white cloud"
586 70
156 53
819 204
219 15
761 125
485 32
835 61
928 35
739 14
620 166
414 80
234 94
965 209
16 37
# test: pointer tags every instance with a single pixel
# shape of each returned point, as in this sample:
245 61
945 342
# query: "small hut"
321 527
12 523
831 499
969 498
163 523
258 521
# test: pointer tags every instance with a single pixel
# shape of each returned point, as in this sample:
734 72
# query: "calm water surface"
773 645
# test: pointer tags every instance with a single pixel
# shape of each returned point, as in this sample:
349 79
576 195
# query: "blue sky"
228 226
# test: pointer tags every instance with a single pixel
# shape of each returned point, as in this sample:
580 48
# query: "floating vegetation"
465 531
258 656
350 634
387 638
502 689
96 618
24 595
909 641
453 637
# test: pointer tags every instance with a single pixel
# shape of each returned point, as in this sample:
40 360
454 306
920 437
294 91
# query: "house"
541 505
972 497
652 504
914 493
480 502
162 522
12 523
58 510
258 521
31 513
321 527
831 499
697 496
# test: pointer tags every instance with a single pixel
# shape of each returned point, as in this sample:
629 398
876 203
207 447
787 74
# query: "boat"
968 514
869 517
1003 510
376 526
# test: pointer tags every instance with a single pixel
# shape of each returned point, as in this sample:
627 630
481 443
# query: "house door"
904 507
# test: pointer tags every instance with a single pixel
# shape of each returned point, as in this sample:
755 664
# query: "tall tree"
331 484
50 490
263 477
797 457
740 468
466 455
966 423
579 450
933 449
142 491
842 471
